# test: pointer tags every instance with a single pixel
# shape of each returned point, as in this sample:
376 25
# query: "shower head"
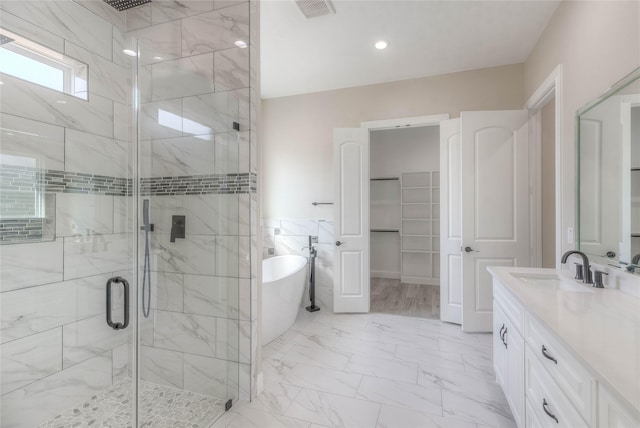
126 4
5 39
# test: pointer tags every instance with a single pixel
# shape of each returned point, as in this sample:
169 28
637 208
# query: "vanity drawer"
531 417
544 397
512 309
574 381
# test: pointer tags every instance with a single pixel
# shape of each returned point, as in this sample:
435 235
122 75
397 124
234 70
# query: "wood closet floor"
390 296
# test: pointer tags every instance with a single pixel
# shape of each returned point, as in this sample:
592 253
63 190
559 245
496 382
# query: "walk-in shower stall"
127 211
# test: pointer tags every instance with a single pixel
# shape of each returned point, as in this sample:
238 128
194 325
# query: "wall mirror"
608 130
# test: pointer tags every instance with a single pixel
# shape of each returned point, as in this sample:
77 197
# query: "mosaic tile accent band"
18 180
198 184
25 190
21 179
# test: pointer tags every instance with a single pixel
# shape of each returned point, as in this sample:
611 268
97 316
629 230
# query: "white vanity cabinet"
508 350
544 380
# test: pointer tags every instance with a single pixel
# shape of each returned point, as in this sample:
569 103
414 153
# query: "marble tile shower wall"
289 236
195 83
56 348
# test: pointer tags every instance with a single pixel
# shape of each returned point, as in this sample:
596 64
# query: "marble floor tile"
317 356
320 339
365 347
383 367
276 398
459 381
396 417
420 373
323 379
333 410
253 418
494 413
479 365
430 357
401 394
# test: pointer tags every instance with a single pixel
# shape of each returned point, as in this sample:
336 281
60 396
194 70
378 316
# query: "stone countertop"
601 328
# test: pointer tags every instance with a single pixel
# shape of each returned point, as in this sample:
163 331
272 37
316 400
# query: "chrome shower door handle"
125 284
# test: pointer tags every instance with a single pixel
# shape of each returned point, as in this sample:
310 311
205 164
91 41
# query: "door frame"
400 123
551 87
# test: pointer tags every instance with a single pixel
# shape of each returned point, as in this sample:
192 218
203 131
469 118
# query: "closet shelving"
420 227
385 204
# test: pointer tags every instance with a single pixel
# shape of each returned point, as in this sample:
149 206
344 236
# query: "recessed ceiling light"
381 44
129 52
241 44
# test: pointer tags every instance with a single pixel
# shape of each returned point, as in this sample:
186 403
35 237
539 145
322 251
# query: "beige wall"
597 43
548 183
297 165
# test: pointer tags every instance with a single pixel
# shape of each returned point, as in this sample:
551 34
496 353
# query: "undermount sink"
552 279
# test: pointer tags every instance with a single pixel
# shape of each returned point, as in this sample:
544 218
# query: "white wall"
394 151
547 184
597 43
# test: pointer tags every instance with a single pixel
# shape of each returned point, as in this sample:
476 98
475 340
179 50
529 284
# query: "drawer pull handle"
547 355
551 415
501 328
504 337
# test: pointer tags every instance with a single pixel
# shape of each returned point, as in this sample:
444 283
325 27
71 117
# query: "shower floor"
160 406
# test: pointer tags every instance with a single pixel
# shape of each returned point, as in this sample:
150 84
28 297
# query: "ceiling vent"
315 8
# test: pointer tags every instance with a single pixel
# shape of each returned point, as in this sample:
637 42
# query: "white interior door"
601 178
351 220
495 206
450 222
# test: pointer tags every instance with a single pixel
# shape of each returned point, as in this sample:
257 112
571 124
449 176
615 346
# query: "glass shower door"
124 213
66 216
189 243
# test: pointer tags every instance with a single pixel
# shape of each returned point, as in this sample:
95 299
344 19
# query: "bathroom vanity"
565 354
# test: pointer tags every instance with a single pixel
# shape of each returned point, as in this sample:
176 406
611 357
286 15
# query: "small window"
38 64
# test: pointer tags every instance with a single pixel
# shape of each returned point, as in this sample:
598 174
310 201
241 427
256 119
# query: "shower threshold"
160 406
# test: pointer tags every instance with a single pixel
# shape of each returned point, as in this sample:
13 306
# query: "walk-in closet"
404 220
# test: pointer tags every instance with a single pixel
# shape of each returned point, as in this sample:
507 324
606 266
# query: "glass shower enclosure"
124 199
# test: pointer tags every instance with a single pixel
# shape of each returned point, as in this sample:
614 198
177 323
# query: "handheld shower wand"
146 272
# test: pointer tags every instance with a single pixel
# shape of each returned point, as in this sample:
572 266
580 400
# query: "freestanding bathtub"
283 282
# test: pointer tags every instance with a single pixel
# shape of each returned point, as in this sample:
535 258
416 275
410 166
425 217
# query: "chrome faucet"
312 251
634 263
585 263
